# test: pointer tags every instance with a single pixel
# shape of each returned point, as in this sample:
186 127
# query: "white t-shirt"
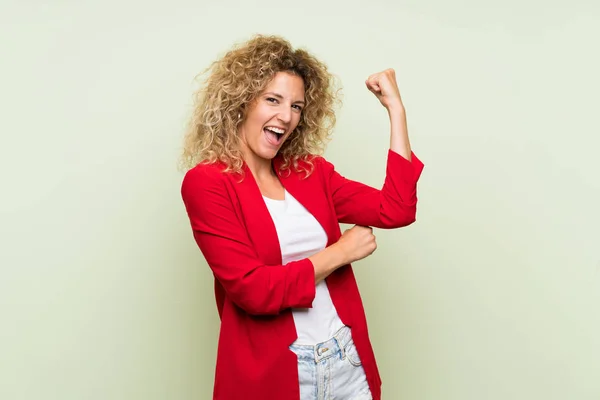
301 236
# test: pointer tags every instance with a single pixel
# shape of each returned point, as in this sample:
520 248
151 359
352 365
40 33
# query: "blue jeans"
331 370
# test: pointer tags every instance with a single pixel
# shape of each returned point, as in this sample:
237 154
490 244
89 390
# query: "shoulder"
320 164
309 169
306 168
314 162
203 178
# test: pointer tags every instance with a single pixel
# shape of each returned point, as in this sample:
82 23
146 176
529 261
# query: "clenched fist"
384 86
357 243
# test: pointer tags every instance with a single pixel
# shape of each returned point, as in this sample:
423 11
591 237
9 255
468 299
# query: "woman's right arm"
257 288
355 244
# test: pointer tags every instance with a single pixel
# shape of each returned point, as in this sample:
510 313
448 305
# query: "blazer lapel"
259 224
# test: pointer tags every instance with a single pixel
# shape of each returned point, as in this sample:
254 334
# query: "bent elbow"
254 305
404 217
259 309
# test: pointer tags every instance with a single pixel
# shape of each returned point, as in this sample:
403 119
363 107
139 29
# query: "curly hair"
235 81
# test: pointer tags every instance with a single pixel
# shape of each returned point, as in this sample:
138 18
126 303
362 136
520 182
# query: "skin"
280 105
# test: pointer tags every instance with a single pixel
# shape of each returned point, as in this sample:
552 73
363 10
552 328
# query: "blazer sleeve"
392 206
257 288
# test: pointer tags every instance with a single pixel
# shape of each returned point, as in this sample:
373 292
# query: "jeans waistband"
329 348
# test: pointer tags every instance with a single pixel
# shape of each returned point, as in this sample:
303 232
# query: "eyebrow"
281 97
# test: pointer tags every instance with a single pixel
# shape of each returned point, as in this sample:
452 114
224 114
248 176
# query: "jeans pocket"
352 354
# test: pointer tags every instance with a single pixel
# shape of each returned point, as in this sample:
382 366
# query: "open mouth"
274 135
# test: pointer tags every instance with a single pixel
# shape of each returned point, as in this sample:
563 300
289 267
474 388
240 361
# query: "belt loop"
340 345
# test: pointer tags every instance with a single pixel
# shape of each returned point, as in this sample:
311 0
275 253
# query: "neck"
261 169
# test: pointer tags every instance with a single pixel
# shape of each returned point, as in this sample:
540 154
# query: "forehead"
287 85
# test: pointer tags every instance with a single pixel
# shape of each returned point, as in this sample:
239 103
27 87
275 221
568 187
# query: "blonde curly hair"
235 81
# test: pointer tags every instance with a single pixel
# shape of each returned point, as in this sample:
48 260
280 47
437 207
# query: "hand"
357 243
383 85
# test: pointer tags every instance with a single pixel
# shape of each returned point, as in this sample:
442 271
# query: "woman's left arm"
384 86
395 204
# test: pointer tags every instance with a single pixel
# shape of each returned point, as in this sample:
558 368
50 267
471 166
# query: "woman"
265 210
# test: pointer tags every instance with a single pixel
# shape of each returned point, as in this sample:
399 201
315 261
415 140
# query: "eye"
298 107
272 100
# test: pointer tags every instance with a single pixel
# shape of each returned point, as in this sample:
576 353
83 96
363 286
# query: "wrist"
396 108
339 254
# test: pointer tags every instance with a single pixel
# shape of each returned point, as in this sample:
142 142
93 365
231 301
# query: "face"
272 118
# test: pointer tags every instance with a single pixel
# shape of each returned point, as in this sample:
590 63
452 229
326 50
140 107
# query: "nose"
285 114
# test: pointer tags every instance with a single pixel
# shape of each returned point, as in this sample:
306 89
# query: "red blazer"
255 292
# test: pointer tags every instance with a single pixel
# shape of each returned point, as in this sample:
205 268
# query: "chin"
268 154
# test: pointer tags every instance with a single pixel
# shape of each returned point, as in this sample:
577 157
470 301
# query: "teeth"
276 130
